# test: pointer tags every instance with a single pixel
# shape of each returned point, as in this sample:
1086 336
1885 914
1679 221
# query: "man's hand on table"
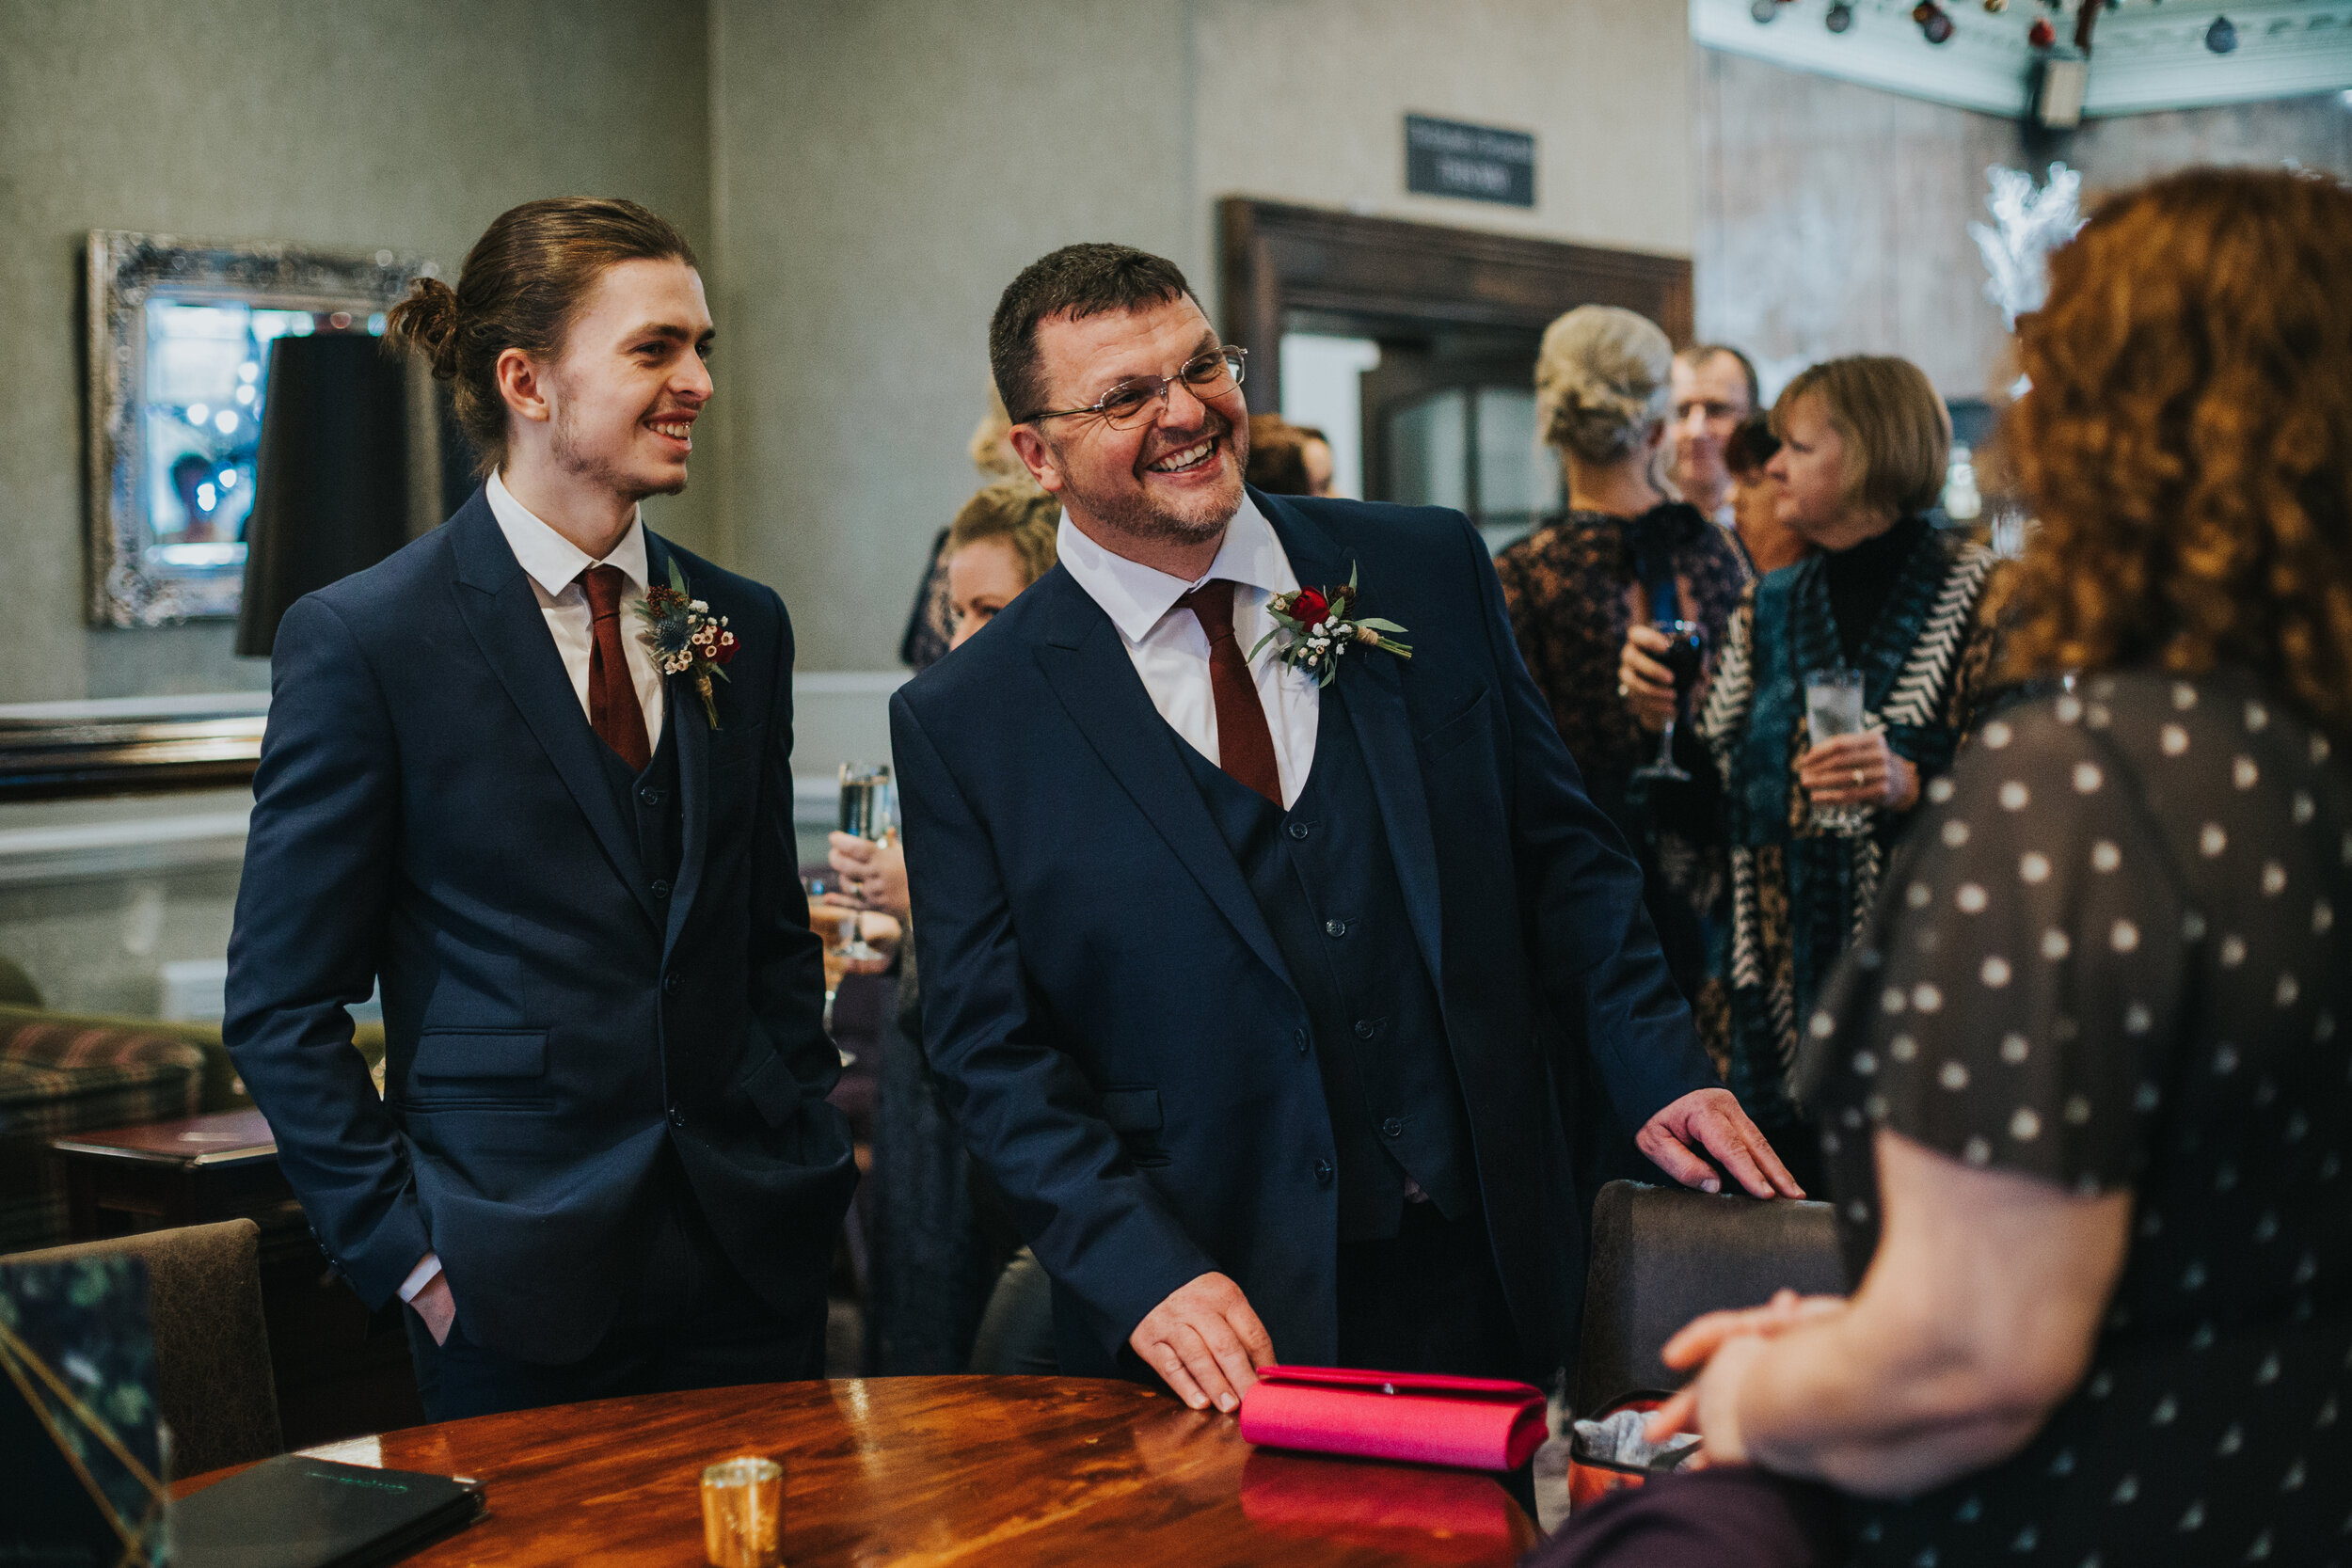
1206 1342
1710 1120
437 1306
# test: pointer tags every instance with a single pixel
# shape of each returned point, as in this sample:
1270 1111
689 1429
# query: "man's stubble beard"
573 457
1132 513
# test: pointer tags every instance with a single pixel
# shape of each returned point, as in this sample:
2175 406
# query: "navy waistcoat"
649 802
1322 875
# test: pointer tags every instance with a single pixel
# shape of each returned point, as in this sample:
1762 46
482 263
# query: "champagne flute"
1832 706
868 801
1684 658
836 927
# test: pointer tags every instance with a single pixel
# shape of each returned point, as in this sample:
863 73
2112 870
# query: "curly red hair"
2187 442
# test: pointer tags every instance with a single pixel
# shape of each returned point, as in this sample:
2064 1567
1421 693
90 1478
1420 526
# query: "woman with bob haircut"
1863 448
2085 1082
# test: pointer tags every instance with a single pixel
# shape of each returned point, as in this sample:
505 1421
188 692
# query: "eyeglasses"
1126 406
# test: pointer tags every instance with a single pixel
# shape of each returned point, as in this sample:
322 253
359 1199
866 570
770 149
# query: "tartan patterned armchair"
62 1073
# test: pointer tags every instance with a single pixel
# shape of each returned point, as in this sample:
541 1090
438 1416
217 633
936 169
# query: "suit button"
660 888
670 983
1393 1127
677 1118
1299 829
1365 1028
1322 1173
1298 1039
1335 927
650 797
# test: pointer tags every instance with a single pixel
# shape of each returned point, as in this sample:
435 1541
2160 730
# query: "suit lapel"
1372 688
691 730
494 597
1086 662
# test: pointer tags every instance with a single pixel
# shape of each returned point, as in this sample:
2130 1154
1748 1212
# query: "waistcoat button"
677 1118
650 797
1335 927
1365 1028
1298 1039
670 983
1299 829
1322 1173
660 888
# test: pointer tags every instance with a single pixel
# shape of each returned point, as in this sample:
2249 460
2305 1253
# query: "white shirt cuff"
428 1269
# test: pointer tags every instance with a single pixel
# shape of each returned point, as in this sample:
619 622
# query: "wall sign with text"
1479 163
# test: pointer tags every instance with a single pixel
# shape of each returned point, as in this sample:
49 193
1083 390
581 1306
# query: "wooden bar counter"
935 1470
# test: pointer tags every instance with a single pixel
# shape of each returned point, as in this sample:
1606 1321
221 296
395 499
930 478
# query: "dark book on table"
296 1513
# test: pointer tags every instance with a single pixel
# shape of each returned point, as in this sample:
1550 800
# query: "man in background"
1715 390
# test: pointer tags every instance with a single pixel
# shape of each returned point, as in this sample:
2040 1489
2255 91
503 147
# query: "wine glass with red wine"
1684 655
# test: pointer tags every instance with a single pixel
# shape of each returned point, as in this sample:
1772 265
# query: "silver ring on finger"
1857 778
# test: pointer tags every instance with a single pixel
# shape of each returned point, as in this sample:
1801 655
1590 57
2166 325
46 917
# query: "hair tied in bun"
425 322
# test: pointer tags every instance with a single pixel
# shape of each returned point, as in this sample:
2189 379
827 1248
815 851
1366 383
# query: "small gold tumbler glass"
744 1514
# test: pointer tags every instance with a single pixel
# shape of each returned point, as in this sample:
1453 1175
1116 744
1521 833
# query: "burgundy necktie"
1245 746
612 709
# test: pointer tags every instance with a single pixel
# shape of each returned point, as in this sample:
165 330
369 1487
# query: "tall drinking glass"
1684 655
1832 706
869 811
836 927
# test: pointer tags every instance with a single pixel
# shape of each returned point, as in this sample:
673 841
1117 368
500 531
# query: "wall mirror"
179 333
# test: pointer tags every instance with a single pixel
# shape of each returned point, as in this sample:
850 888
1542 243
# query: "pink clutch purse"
1473 1423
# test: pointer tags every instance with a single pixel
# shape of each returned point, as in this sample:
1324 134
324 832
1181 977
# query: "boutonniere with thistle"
685 638
1319 626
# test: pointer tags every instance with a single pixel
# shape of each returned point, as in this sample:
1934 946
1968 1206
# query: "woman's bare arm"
1977 1317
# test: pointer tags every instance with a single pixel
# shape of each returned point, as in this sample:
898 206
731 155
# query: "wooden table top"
936 1470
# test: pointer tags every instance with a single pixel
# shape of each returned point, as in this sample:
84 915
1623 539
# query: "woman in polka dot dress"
2086 1081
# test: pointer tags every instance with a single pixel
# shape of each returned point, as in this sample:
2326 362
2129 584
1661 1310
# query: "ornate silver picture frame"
179 336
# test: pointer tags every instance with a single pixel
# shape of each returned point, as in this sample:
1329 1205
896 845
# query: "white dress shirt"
553 563
1171 652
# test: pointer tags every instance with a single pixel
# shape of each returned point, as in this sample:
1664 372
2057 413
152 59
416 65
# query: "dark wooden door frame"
1420 277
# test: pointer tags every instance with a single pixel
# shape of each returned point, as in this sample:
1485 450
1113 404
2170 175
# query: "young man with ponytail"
547 801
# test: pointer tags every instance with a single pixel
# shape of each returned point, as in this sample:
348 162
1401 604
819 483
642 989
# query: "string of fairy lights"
1935 22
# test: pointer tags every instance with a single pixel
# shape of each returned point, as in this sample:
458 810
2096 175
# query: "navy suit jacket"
433 808
1113 1022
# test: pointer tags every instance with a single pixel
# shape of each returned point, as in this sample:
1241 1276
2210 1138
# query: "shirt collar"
553 560
1137 596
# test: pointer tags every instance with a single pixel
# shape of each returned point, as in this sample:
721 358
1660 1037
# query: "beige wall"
1832 219
1305 100
363 123
883 169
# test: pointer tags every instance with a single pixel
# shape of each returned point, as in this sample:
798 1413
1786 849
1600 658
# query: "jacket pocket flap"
771 1089
482 1054
1132 1110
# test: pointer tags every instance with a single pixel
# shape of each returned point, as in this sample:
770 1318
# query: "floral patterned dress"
1573 588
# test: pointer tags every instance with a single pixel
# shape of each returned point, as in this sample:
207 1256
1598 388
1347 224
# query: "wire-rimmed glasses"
1210 374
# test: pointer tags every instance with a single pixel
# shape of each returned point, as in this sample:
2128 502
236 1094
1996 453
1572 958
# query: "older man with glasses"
1262 935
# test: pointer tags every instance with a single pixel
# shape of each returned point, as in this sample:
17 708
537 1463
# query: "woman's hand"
873 873
1727 1342
1859 770
1647 685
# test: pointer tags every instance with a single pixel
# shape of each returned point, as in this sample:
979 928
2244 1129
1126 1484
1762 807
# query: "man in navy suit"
603 1162
1258 995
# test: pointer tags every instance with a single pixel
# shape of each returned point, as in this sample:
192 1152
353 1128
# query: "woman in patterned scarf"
1863 447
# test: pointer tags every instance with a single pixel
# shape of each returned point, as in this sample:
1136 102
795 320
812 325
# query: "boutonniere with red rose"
1317 626
685 638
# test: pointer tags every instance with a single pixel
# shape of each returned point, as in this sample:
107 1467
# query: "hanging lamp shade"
332 491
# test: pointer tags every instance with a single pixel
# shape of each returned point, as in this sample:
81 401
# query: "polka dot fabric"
2107 957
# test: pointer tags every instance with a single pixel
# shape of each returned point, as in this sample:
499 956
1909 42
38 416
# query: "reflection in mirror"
180 338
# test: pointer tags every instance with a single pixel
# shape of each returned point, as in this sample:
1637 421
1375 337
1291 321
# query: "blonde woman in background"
1623 555
940 1234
